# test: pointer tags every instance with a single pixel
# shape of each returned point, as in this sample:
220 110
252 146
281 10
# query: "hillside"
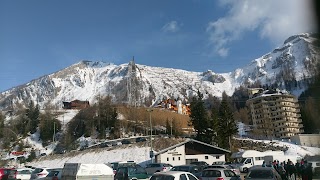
288 67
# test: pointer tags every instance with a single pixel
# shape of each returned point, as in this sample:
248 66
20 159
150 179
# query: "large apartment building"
274 113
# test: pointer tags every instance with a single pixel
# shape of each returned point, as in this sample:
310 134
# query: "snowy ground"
123 152
136 154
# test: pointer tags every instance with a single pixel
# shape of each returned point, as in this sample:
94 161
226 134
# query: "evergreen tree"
199 118
32 156
32 113
226 124
215 126
1 125
48 126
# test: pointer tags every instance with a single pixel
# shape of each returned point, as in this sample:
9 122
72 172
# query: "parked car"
194 169
225 166
8 174
219 163
131 172
116 165
40 173
173 175
267 173
200 163
54 175
157 167
219 174
141 139
105 144
24 173
125 141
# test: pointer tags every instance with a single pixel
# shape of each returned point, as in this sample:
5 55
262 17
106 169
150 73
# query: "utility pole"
54 131
151 150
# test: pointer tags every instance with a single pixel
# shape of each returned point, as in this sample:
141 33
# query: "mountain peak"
295 38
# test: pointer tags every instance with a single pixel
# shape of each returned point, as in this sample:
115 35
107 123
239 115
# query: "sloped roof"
191 140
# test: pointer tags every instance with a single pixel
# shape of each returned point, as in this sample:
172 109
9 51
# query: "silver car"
40 173
219 174
173 175
157 167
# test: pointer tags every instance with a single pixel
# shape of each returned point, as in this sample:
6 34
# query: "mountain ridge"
137 84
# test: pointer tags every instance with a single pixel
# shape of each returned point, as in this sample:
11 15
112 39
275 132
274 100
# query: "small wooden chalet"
76 104
189 151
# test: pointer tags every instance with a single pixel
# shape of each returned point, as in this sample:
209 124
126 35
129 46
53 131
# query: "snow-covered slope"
141 155
144 85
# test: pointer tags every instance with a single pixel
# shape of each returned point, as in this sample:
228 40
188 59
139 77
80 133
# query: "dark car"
199 163
131 172
7 174
194 169
125 141
266 173
105 144
140 139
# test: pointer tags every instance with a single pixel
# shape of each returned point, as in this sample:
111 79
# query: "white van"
249 158
76 171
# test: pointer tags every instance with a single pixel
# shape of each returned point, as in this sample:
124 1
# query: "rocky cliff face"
144 85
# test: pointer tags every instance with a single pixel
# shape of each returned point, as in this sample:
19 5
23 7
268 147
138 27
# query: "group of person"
289 171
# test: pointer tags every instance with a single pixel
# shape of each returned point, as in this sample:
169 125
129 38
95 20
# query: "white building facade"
190 151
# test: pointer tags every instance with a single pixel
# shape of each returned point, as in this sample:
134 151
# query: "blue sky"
39 37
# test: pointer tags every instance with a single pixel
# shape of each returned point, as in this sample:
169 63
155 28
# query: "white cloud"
274 20
172 26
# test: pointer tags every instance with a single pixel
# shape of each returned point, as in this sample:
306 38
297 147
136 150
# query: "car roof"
261 168
170 172
220 169
190 165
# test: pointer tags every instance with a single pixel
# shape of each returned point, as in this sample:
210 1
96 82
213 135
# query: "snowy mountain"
137 84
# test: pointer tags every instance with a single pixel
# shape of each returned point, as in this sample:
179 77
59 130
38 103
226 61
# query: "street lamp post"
151 150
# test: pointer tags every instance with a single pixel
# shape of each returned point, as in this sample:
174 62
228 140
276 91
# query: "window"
183 177
206 157
217 157
229 173
211 173
248 161
191 177
172 158
179 158
167 159
259 158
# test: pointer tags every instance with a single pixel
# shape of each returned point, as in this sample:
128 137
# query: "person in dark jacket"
298 170
309 171
291 170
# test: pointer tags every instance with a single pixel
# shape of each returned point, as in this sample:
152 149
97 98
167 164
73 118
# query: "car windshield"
162 177
260 174
180 168
211 173
242 160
